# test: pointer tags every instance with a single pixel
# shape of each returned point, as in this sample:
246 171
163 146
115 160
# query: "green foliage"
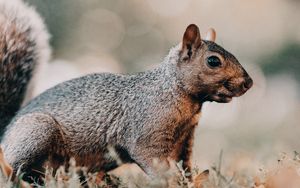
285 60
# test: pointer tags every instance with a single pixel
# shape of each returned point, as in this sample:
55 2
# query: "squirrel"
24 48
142 116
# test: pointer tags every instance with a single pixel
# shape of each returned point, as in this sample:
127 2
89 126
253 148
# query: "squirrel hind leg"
28 142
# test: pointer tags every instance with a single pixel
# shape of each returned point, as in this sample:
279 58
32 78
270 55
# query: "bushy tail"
23 48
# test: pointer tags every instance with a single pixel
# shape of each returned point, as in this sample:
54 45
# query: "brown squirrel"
143 116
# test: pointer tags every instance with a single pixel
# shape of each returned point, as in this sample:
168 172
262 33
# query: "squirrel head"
207 71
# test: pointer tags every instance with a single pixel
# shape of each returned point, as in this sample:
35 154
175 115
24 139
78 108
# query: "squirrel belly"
23 48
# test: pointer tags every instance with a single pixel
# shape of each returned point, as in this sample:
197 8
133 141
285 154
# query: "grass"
285 173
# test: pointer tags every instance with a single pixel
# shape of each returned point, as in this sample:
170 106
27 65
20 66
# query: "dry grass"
284 174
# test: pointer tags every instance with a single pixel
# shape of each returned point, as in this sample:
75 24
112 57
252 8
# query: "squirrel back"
23 48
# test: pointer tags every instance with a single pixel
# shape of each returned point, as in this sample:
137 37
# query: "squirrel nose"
248 83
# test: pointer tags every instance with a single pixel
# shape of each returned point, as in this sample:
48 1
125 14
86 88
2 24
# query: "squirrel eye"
213 61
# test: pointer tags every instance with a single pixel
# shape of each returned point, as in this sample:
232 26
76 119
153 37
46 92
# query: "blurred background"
133 35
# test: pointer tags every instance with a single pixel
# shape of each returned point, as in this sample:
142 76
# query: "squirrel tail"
24 46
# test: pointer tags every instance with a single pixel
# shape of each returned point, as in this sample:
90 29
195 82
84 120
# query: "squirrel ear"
191 40
210 35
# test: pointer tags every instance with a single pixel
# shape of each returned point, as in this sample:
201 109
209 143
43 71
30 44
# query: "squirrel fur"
143 116
23 48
